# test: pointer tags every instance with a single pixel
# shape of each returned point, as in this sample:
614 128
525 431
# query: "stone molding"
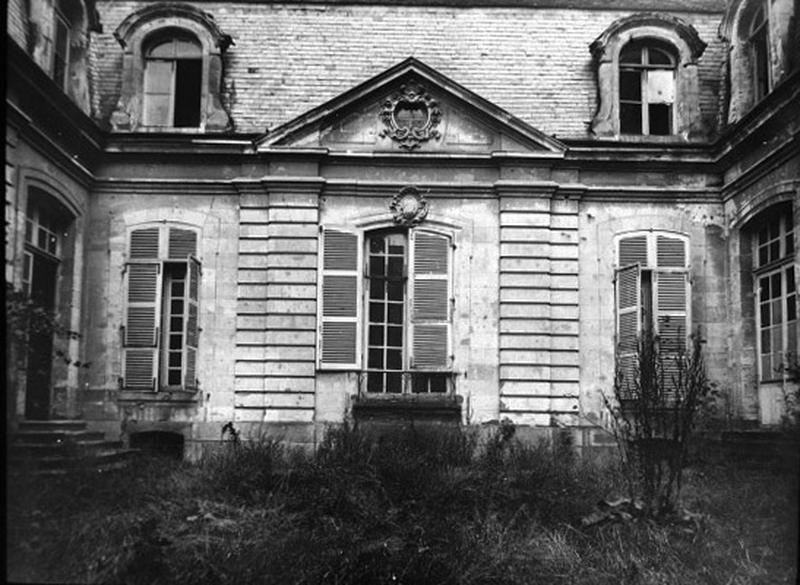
668 29
132 34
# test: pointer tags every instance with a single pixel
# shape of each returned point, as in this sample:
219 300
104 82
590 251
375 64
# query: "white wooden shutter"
158 91
628 293
143 301
672 296
182 243
633 250
192 326
339 313
430 301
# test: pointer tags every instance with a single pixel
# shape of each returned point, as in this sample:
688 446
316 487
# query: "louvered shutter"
633 250
192 327
181 243
340 300
430 301
672 305
628 296
143 288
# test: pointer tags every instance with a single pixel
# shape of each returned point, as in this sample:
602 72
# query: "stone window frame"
136 31
736 28
664 30
79 19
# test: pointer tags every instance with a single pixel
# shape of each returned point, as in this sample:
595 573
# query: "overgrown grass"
422 506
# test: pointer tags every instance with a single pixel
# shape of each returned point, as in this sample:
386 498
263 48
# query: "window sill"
163 397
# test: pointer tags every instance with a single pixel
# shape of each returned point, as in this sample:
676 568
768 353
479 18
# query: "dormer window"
647 79
172 83
759 54
60 67
646 89
172 71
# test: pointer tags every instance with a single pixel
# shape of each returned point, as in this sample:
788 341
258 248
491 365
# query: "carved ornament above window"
409 207
411 117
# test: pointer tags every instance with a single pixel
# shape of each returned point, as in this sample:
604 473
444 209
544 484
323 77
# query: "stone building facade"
285 215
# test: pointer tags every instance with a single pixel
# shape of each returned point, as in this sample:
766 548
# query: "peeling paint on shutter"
628 290
182 243
192 326
144 244
430 301
141 320
633 250
670 252
340 296
672 321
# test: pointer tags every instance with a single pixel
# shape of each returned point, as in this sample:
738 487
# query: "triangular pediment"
411 108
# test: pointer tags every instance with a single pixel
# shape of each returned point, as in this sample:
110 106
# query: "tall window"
172 83
402 289
776 293
161 325
61 48
652 296
758 40
646 88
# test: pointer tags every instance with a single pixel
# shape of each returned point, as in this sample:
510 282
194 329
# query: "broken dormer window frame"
669 36
647 88
199 109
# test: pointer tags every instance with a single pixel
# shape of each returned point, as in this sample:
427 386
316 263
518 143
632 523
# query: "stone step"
98 459
81 448
52 425
53 437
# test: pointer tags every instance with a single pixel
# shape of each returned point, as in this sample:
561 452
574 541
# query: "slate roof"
288 59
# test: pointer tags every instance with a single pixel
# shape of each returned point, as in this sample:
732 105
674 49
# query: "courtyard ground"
417 508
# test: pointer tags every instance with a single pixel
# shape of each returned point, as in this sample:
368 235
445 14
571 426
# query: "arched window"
172 82
758 41
647 79
398 336
172 71
773 241
646 88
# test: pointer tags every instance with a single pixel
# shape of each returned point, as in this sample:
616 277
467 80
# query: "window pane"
631 54
765 321
791 284
176 307
395 266
374 382
395 313
765 341
186 49
791 308
660 86
658 57
630 118
395 290
660 119
377 288
176 324
174 378
394 383
375 360
630 86
376 266
775 285
395 338
438 383
394 359
174 359
175 341
376 312
777 311
177 289
376 244
376 335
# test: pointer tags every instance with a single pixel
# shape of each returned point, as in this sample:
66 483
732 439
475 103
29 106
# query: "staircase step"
52 425
76 449
61 436
100 458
